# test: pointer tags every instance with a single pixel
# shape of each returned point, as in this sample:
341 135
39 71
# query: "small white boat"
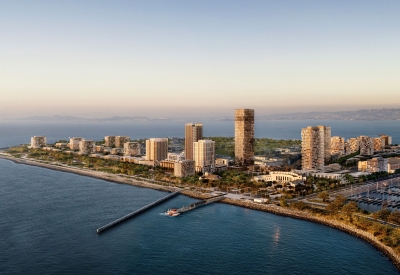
172 212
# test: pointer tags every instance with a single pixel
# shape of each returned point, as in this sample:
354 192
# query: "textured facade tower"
38 141
74 143
338 146
354 145
204 155
120 140
366 145
193 133
109 141
379 144
315 147
156 149
87 146
244 136
131 149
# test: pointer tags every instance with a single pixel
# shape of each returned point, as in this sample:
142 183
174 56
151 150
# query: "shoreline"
269 208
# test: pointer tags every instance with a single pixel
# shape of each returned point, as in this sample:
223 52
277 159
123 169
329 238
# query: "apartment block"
132 149
379 144
315 147
193 133
354 145
386 139
204 156
109 141
366 145
244 136
74 143
38 141
121 140
338 146
156 149
87 146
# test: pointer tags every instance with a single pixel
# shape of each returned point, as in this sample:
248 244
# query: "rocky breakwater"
283 211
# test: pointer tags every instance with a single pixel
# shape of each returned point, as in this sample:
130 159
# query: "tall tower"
244 136
193 133
315 147
156 149
204 155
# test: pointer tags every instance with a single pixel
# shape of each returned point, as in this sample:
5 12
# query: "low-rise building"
280 176
116 151
393 164
38 141
175 156
61 145
184 168
99 149
373 165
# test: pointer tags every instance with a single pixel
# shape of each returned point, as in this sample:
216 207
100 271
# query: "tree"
394 217
349 209
324 196
335 206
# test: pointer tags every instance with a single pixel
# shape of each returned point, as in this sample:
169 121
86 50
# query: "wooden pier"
136 212
199 203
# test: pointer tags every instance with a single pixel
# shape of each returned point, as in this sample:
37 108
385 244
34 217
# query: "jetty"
199 203
136 212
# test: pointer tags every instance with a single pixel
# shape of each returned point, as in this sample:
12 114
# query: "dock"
136 212
199 203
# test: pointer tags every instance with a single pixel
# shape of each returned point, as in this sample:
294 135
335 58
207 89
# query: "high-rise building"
87 146
38 141
120 141
337 146
244 136
193 133
354 145
74 143
386 139
379 144
109 141
204 155
131 149
156 149
366 145
315 143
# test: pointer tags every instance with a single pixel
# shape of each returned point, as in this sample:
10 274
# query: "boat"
172 212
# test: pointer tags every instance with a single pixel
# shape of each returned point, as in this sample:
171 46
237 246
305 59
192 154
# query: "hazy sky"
169 58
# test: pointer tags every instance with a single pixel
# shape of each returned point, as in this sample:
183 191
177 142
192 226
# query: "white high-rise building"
131 149
337 146
204 155
74 143
87 146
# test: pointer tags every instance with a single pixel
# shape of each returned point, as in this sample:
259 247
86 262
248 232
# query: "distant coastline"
357 115
273 209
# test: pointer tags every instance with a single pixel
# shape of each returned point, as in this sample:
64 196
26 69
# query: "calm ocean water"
49 218
20 132
48 222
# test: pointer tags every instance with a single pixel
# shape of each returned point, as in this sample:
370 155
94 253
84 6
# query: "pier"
136 212
199 203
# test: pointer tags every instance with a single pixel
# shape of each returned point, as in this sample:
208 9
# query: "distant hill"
72 118
372 114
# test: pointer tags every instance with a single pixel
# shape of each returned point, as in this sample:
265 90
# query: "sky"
197 58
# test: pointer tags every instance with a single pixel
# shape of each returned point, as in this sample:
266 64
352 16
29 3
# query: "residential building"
354 145
175 156
379 144
132 149
338 146
366 145
193 133
373 165
393 164
184 168
87 146
109 141
74 143
244 136
99 149
121 140
386 139
156 149
315 147
38 141
204 155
